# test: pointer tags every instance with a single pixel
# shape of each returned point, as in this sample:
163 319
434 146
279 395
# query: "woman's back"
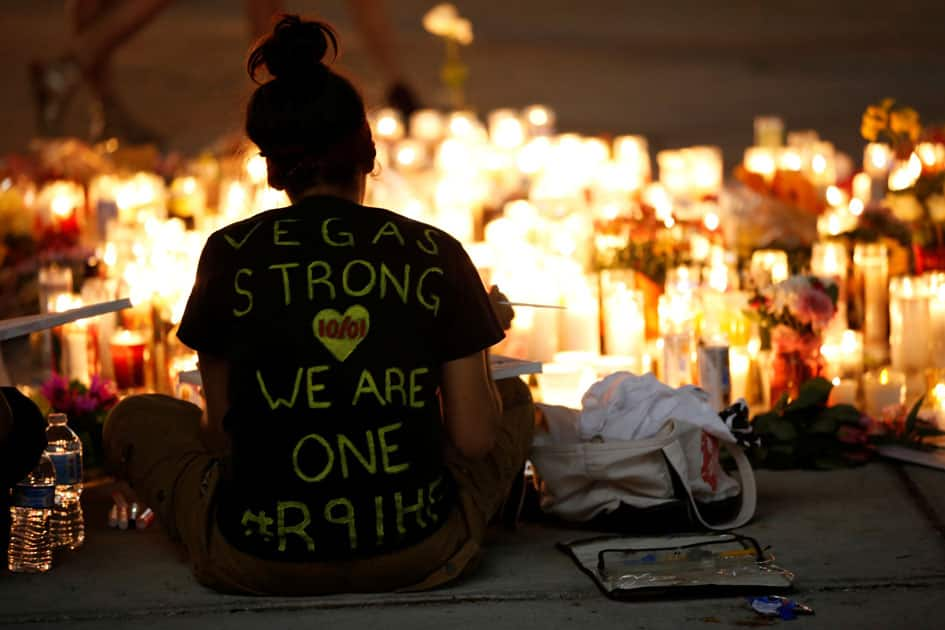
334 319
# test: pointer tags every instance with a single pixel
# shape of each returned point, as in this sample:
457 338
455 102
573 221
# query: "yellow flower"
905 121
875 120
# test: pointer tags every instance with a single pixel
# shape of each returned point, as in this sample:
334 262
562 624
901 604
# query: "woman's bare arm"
215 373
471 404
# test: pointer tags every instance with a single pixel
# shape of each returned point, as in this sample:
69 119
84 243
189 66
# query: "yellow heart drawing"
341 334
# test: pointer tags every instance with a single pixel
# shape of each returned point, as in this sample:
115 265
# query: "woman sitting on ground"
343 350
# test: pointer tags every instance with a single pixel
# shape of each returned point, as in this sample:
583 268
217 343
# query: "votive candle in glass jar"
883 389
769 131
829 259
871 269
909 323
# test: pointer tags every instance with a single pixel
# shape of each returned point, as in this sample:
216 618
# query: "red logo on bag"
710 459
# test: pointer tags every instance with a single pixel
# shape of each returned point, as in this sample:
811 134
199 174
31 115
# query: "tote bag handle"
746 477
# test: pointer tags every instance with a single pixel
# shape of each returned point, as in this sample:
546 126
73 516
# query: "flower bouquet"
808 432
792 316
916 185
86 407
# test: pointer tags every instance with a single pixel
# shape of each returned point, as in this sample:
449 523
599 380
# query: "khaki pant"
153 441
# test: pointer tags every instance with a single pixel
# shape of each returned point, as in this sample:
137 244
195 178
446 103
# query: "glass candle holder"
909 323
883 389
624 318
829 259
769 131
129 358
871 275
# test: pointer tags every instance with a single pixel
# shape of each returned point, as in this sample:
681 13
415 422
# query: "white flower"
936 206
904 207
444 20
462 31
440 19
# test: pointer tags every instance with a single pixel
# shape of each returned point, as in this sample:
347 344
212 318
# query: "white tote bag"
583 479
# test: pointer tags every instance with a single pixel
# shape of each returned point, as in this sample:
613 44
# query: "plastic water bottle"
30 549
65 450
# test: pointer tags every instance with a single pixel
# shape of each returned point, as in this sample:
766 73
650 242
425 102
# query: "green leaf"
813 393
913 416
782 429
824 424
843 414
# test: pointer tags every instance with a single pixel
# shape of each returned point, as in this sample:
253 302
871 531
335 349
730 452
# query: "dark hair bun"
295 50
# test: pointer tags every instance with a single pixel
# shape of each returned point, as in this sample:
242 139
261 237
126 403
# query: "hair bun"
296 49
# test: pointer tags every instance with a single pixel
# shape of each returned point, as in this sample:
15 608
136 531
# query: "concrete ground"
867 547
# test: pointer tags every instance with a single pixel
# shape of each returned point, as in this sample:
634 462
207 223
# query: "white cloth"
624 406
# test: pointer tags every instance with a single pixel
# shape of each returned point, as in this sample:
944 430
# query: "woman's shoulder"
413 226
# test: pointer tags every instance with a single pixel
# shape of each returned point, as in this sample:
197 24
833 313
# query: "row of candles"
446 168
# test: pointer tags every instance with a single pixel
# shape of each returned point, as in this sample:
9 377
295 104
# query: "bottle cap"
57 418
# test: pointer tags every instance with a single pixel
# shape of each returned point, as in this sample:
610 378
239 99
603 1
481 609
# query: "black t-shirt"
335 319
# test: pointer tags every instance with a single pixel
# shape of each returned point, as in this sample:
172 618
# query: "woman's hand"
503 310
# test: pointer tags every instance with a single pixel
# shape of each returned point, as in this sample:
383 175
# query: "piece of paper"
502 367
20 326
932 459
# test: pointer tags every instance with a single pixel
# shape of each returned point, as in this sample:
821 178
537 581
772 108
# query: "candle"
877 159
633 152
936 283
769 131
823 167
843 353
739 364
410 155
506 130
871 271
862 187
704 166
674 172
768 266
829 259
843 392
761 161
905 173
909 323
932 155
188 200
790 159
624 319
388 124
427 125
678 359
881 389
676 313
836 221
60 205
539 119
580 321
128 359
75 356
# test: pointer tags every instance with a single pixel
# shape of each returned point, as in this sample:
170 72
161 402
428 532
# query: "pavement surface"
867 547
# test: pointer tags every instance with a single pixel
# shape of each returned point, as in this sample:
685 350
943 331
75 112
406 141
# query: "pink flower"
851 435
814 307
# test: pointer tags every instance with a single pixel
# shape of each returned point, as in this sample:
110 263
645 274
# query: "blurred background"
681 72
